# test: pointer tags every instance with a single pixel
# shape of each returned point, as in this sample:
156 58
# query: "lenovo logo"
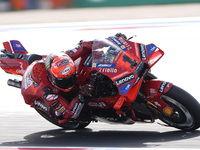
142 51
125 79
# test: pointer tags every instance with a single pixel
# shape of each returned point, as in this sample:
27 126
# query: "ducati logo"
51 97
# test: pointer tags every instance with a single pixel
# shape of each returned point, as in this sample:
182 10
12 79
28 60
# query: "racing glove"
86 92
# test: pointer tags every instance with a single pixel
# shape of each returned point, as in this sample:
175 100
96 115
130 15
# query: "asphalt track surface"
21 126
30 130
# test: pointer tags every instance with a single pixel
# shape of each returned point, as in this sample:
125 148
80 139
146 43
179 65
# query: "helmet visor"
64 83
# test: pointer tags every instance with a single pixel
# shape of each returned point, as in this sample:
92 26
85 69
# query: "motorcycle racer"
45 81
125 91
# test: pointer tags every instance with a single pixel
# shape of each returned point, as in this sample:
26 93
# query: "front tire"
186 115
67 126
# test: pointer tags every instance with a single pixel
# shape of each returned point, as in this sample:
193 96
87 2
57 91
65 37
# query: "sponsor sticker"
41 104
97 104
21 70
118 43
27 82
124 89
88 61
51 97
17 46
107 70
139 68
65 70
150 49
94 65
142 52
162 87
74 50
71 52
125 79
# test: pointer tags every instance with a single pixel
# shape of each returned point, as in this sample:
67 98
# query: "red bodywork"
153 89
14 66
125 69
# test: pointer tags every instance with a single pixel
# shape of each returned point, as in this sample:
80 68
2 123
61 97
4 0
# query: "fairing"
116 62
124 62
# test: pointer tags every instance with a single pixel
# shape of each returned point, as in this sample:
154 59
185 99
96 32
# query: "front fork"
151 94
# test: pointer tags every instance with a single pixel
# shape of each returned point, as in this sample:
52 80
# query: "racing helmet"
61 72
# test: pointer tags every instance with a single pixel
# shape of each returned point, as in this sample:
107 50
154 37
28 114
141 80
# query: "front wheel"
68 126
186 109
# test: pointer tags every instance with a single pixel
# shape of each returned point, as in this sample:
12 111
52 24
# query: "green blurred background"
110 3
8 5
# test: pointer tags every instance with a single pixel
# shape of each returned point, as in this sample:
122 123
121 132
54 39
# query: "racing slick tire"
186 109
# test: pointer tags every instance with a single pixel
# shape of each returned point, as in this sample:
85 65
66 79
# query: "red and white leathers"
81 50
38 91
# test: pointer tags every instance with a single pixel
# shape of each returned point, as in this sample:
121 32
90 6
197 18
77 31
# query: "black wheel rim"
181 117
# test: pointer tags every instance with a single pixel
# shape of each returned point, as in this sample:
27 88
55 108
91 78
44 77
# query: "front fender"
154 88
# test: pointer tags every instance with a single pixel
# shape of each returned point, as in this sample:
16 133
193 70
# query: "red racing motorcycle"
125 90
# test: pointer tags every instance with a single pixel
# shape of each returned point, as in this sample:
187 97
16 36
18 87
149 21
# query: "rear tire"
67 126
186 115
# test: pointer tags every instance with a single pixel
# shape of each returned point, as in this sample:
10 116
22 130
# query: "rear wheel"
68 126
186 109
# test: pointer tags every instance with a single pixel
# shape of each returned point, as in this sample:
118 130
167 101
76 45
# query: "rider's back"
34 81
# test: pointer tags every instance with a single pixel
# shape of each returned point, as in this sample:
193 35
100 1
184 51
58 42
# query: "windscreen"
104 52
